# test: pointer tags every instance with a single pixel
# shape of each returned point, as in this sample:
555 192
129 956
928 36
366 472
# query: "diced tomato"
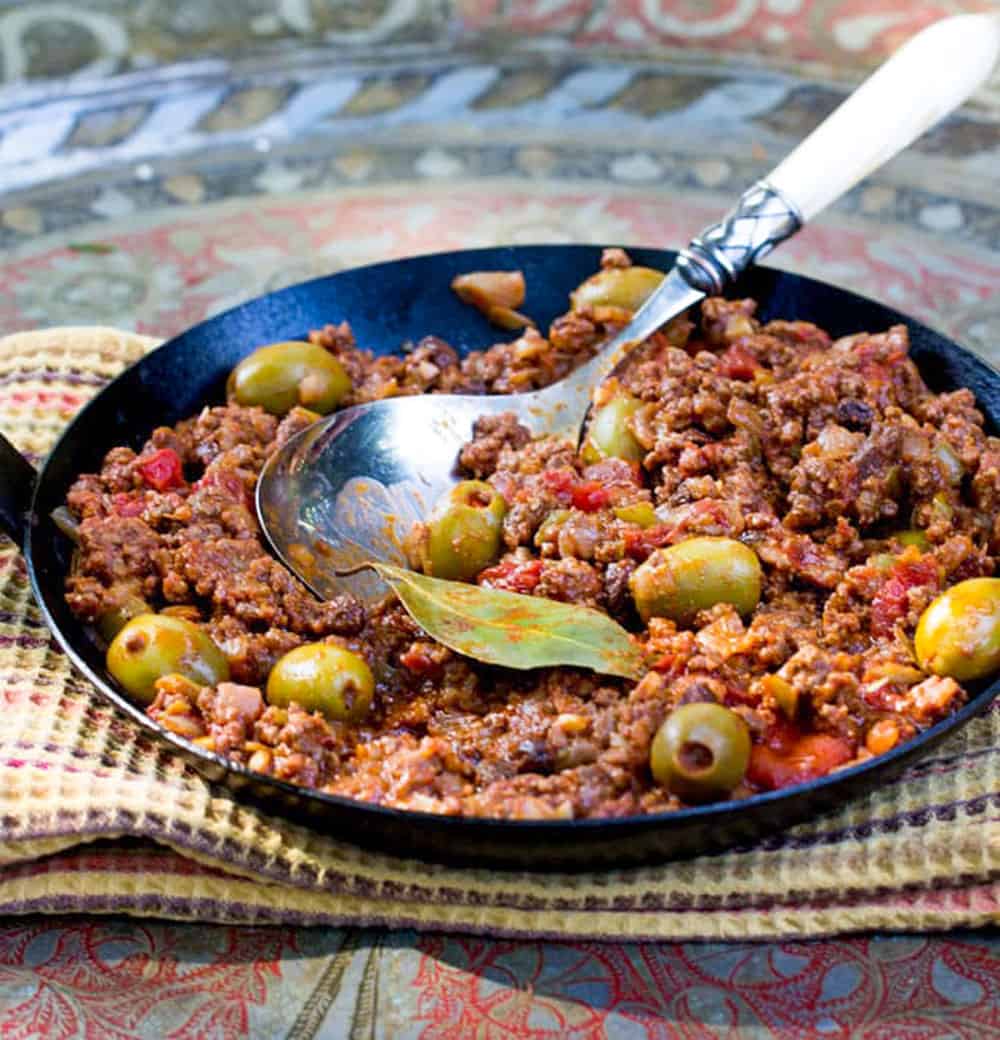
807 758
590 496
891 603
876 375
560 483
707 511
880 369
639 544
738 363
881 373
889 606
916 572
124 503
162 470
513 576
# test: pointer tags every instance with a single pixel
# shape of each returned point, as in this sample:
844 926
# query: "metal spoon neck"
565 404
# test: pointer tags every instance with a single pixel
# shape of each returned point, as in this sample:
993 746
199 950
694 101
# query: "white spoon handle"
928 77
922 82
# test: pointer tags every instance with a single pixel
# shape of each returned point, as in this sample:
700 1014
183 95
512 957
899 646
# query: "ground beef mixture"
815 454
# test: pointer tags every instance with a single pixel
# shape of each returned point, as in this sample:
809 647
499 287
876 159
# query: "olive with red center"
463 533
701 752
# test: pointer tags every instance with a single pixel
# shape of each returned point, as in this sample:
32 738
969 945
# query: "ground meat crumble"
813 453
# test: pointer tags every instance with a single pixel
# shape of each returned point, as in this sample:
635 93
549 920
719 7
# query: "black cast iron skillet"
386 305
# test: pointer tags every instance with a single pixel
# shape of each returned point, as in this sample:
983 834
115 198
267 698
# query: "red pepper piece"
807 758
891 603
162 470
669 664
419 661
513 576
590 496
738 363
560 483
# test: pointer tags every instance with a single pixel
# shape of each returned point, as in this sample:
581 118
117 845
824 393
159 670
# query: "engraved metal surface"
762 219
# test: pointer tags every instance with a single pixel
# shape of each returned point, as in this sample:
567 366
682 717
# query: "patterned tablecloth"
161 161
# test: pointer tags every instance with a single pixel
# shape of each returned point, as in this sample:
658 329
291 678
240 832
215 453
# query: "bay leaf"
512 630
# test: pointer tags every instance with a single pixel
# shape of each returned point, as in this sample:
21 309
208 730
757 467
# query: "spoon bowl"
348 489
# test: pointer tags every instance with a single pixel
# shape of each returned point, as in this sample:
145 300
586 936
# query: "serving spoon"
348 489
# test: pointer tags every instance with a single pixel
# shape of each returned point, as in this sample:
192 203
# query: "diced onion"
67 523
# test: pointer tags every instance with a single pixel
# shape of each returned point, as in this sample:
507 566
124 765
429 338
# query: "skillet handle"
17 481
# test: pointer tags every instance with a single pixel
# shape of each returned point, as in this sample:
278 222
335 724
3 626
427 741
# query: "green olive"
463 532
283 375
325 678
694 575
958 635
153 645
641 513
608 435
112 621
913 536
701 752
624 287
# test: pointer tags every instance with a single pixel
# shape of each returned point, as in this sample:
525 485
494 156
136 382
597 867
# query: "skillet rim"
212 765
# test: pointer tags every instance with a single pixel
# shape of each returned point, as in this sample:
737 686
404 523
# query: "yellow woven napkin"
921 853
